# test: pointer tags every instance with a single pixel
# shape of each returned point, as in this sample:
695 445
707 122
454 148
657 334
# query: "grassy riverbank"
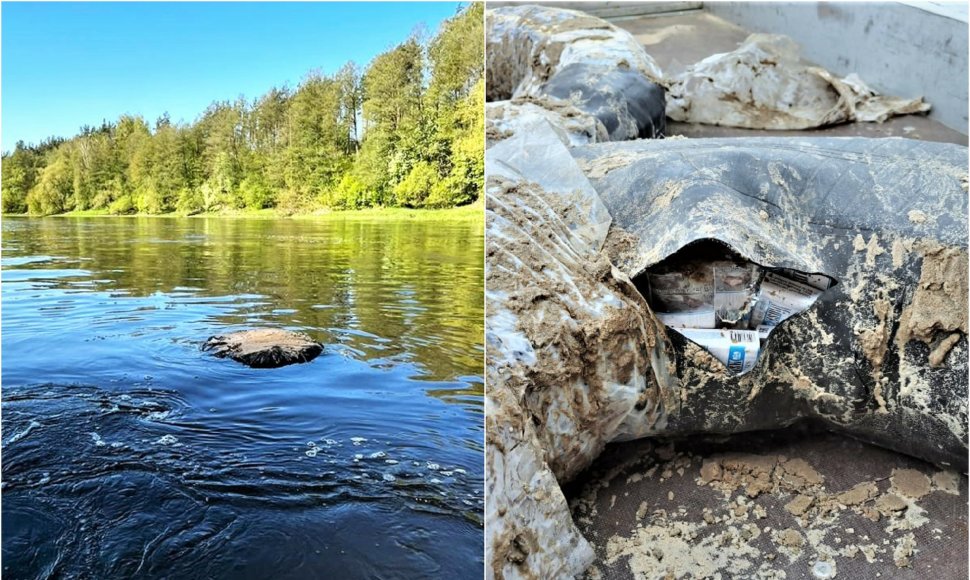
463 213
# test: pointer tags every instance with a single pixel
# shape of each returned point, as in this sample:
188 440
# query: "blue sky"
69 64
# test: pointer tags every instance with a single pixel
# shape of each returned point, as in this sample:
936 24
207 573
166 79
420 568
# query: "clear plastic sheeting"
571 350
538 154
781 298
506 118
725 289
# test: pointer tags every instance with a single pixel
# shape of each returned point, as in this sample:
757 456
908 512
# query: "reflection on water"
128 452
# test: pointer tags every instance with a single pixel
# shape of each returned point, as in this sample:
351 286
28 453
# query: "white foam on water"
18 436
433 466
97 439
167 440
377 455
358 440
389 477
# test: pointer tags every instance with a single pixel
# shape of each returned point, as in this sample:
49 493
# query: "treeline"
407 131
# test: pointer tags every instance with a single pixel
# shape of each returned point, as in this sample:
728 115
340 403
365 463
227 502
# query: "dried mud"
767 514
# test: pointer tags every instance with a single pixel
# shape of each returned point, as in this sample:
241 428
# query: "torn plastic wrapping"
539 155
780 298
528 44
882 354
558 315
729 295
594 80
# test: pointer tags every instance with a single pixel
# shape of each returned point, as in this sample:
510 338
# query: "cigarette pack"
737 349
700 318
781 298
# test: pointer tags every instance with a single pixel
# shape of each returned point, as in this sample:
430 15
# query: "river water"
128 452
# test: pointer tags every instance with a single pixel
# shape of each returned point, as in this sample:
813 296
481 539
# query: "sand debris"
910 483
820 524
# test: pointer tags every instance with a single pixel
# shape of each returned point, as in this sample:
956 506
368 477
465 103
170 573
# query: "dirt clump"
904 549
947 482
790 538
890 503
937 314
910 483
800 504
859 494
758 474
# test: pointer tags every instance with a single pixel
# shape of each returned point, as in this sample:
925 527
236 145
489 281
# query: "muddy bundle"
592 80
882 354
855 250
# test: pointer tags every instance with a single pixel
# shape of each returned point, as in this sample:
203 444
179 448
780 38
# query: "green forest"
406 131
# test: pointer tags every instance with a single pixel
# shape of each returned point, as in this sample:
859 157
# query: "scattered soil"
770 505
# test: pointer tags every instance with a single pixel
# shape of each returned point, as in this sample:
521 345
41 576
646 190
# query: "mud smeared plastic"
587 76
625 101
540 156
569 345
763 84
886 218
578 359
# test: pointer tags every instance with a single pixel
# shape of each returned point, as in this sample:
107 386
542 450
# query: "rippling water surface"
127 452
